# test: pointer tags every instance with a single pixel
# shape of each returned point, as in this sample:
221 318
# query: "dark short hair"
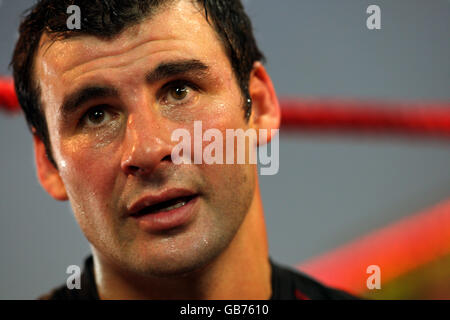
106 19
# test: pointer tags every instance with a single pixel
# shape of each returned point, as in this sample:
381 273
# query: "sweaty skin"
115 148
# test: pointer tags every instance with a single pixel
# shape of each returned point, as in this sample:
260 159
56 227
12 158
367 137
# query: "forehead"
177 29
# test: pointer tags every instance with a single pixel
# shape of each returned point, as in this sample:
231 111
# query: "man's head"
103 102
106 19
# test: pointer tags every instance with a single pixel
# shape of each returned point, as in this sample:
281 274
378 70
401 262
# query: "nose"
146 144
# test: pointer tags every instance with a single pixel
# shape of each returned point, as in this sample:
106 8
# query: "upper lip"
152 199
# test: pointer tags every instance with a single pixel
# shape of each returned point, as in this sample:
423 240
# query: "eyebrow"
170 69
162 71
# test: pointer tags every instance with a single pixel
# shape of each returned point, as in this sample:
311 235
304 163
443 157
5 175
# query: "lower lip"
167 219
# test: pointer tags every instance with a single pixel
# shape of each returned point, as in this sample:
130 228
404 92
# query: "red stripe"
8 98
371 116
397 249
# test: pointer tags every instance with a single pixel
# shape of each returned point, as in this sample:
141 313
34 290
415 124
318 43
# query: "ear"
48 175
266 112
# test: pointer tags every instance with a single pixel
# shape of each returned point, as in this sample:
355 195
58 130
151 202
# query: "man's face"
112 143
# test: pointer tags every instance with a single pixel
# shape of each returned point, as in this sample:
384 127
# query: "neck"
242 271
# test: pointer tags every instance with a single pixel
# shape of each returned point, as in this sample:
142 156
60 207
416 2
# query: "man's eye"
179 93
95 117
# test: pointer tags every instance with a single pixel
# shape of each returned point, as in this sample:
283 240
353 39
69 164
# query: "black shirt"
287 284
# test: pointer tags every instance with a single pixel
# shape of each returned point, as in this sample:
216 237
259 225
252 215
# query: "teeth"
165 206
175 206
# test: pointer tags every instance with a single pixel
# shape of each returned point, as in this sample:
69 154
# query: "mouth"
165 206
171 209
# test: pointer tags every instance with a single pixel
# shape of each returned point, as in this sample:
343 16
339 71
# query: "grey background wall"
329 190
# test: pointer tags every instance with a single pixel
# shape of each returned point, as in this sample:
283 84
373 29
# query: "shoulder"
288 284
61 293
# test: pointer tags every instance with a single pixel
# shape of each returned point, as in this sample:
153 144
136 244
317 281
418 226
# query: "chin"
162 268
176 263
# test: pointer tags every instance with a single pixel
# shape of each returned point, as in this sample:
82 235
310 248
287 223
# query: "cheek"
231 185
226 114
230 195
89 173
89 183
